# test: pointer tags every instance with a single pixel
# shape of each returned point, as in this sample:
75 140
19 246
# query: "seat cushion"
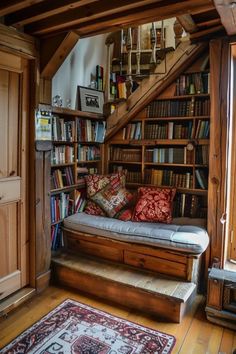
187 238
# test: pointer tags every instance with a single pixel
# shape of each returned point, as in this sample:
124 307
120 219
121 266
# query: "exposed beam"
187 23
110 13
206 32
210 23
50 66
8 6
43 10
227 12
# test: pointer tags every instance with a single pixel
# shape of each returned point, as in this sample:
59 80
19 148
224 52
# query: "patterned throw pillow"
92 208
112 198
154 205
94 184
124 215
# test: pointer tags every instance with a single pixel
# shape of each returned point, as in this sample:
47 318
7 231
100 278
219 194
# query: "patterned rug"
76 328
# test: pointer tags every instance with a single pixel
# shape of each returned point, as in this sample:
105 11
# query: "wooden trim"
59 55
8 6
18 43
227 12
218 144
187 23
42 281
206 32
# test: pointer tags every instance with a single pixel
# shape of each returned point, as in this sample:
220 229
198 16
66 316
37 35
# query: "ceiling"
44 18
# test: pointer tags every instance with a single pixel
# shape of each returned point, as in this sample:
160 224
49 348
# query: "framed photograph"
90 100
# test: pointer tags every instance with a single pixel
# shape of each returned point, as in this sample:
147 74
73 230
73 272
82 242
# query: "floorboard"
195 335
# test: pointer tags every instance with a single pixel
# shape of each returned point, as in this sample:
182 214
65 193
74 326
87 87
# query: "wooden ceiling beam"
43 10
206 32
85 13
187 23
53 55
8 6
227 12
210 23
117 16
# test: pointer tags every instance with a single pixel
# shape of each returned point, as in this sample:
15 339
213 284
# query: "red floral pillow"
154 205
112 198
92 208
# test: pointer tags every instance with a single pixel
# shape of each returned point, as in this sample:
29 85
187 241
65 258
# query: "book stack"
202 129
80 201
56 237
88 153
62 154
168 178
99 77
202 154
120 154
62 130
62 178
194 83
202 179
61 207
90 131
133 131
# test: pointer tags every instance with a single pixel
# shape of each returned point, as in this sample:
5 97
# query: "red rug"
75 328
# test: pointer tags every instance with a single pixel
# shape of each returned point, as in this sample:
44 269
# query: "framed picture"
90 100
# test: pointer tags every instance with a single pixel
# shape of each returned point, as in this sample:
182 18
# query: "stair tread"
121 273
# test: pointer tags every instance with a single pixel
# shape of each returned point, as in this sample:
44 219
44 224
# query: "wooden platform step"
143 290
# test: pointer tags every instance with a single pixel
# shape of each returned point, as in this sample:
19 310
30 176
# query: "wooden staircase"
149 292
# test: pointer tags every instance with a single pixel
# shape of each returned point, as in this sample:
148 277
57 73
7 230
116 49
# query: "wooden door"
14 243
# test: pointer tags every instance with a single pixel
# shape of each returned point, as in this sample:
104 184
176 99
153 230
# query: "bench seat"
183 238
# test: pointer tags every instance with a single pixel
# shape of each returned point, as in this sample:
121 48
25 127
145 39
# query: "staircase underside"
142 290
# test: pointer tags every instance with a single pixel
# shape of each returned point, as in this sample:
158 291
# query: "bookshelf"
167 144
77 139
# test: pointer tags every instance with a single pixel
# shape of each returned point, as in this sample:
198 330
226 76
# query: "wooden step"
143 290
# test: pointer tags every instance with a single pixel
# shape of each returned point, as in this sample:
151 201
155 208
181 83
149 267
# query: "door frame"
25 46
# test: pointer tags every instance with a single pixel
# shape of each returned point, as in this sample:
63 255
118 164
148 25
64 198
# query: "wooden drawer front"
158 265
9 190
94 249
214 293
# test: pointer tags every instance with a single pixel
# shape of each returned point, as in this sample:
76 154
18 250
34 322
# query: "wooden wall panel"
4 79
219 57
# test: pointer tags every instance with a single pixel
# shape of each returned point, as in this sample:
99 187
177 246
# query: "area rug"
76 328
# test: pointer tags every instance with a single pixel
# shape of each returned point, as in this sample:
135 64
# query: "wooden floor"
195 335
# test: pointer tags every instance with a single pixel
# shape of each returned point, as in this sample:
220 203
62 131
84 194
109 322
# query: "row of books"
120 154
80 201
62 130
61 207
179 108
62 154
194 83
169 130
202 178
189 205
90 131
61 178
99 77
202 155
176 155
133 131
202 129
88 153
131 176
168 178
117 86
57 240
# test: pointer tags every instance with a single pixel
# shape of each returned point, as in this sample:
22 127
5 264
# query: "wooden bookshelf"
74 134
169 141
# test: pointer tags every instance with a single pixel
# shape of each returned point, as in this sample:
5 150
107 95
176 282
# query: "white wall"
78 67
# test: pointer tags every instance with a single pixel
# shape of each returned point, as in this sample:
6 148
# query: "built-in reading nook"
117 179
